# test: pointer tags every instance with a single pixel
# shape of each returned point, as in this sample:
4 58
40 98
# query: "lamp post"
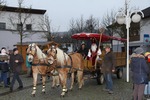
126 18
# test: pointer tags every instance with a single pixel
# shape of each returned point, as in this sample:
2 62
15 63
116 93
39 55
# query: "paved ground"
90 91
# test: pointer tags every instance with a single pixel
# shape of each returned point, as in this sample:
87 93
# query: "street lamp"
126 18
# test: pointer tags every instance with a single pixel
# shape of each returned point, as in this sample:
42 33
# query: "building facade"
139 37
13 19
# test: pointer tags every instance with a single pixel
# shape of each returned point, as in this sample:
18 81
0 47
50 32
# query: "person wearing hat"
83 50
4 66
16 61
108 66
140 71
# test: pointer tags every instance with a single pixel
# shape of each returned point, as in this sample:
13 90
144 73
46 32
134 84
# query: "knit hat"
15 49
83 43
3 50
107 46
139 50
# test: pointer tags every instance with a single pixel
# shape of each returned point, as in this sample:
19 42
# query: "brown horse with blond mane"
39 65
66 64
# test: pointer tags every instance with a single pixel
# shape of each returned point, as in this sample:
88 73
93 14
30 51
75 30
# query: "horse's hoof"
57 85
33 95
80 88
44 92
62 95
66 91
71 89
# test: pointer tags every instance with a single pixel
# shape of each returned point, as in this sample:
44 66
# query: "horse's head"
31 51
51 54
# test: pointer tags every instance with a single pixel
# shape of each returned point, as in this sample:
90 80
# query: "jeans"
109 82
4 78
16 76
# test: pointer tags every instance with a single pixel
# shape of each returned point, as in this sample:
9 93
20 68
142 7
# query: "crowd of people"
11 63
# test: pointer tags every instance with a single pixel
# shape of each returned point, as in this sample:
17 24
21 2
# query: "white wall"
145 28
8 39
34 19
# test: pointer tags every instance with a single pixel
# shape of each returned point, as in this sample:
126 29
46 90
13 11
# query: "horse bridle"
30 50
55 53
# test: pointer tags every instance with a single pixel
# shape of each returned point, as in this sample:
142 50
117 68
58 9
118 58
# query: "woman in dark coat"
140 72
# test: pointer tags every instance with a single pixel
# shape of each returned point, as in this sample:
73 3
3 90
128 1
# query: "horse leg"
53 82
34 83
80 78
57 81
43 81
72 81
63 79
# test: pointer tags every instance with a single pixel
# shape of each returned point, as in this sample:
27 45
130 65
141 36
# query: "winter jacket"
108 63
28 64
16 67
139 69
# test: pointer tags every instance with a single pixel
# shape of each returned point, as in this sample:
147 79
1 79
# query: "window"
2 25
19 26
28 27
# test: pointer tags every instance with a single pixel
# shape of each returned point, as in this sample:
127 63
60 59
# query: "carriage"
120 57
65 63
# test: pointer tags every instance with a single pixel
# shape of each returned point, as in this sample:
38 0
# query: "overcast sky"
62 11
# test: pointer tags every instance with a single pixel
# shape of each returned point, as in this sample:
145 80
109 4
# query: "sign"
146 39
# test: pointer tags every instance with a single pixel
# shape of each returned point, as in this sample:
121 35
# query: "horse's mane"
61 56
40 54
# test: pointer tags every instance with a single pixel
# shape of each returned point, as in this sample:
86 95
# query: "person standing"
28 65
108 66
4 66
140 72
16 61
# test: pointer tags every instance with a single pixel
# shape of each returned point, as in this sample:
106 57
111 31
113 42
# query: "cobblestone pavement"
90 91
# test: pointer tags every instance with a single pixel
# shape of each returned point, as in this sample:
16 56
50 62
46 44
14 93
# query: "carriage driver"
94 52
83 50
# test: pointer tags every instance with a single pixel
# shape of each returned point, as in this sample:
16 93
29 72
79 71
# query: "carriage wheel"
100 79
119 74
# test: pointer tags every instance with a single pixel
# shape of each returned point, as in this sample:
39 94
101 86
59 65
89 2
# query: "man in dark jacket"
140 71
16 61
108 66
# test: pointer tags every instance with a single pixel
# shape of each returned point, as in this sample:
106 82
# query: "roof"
146 12
24 10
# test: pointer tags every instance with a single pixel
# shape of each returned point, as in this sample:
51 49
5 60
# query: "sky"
62 11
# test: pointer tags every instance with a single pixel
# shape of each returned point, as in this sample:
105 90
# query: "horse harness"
66 65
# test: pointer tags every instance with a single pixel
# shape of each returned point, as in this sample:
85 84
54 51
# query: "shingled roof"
24 10
146 12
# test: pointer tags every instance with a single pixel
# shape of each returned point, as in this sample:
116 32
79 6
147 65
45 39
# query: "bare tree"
92 24
2 4
46 27
19 22
81 25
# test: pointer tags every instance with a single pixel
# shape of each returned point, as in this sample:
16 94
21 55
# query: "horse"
66 63
40 65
